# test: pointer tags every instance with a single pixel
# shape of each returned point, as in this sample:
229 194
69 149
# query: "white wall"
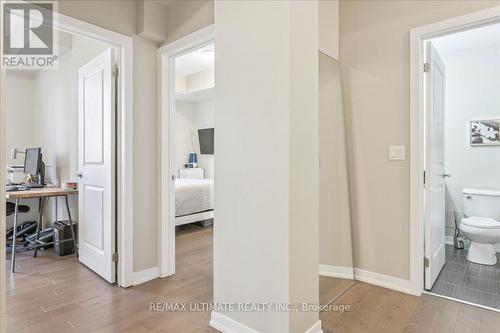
152 21
19 125
267 163
55 108
329 28
184 17
19 106
55 117
472 93
189 118
42 111
194 82
205 118
184 133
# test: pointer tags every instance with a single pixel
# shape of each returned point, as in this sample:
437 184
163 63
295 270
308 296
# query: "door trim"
166 142
124 128
417 139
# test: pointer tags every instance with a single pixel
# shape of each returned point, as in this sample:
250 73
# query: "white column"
266 193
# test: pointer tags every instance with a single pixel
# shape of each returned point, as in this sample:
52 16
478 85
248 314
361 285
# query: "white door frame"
166 146
417 126
124 161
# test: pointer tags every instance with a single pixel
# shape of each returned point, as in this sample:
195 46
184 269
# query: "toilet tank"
481 203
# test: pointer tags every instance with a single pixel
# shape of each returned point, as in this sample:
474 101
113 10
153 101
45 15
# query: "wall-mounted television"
206 138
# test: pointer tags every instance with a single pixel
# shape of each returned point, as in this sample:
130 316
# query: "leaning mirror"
335 241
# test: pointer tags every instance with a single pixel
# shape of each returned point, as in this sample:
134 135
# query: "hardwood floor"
377 309
53 294
330 288
57 294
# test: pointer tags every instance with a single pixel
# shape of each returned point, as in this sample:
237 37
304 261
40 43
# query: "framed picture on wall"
485 132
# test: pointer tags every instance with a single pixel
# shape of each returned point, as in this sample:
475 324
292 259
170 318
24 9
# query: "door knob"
79 175
446 175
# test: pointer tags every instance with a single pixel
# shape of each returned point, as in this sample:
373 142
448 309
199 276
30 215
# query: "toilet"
481 224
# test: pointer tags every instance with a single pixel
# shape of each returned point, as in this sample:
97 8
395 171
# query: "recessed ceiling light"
207 54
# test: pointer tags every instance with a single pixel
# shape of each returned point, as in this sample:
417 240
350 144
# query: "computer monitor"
32 161
33 165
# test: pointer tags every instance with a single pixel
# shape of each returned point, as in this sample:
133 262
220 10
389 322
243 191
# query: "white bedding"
193 196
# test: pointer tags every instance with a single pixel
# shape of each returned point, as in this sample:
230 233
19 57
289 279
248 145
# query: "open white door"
434 166
96 135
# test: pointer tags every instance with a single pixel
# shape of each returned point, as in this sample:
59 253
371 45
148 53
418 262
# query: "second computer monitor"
32 161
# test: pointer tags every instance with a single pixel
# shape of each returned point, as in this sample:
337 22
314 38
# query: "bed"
194 200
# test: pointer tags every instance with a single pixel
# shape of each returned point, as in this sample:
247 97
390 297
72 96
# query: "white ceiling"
194 62
479 37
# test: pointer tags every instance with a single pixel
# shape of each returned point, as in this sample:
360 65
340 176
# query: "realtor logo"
29 37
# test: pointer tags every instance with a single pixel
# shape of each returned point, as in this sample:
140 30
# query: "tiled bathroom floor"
467 281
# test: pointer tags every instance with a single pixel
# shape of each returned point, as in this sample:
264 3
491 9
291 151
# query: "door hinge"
114 257
427 67
426 262
115 70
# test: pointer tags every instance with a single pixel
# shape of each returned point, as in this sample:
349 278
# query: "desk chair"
11 208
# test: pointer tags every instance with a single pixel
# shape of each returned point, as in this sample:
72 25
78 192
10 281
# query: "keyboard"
13 188
34 185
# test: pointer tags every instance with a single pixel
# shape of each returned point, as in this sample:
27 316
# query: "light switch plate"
397 153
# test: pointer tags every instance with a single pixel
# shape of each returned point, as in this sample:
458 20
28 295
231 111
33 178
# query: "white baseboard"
382 280
315 328
227 325
362 275
146 275
341 272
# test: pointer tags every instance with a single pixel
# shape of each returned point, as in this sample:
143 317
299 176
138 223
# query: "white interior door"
434 166
96 133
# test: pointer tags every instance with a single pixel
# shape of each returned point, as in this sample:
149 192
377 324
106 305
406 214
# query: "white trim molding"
315 328
197 217
417 128
385 281
166 170
225 324
146 275
341 272
124 129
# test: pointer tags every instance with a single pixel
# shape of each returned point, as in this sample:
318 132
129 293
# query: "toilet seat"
481 222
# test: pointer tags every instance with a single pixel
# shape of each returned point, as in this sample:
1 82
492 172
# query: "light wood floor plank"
53 294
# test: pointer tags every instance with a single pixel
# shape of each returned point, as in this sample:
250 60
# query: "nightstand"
192 173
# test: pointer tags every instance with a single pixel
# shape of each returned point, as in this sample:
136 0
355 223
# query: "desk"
43 194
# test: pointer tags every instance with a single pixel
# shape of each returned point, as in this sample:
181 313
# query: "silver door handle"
446 175
172 177
79 175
